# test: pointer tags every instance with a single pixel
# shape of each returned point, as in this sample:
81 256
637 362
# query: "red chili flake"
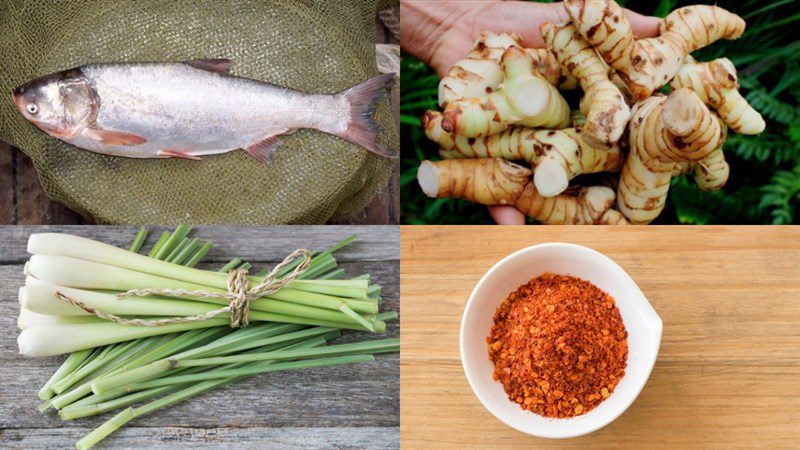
558 345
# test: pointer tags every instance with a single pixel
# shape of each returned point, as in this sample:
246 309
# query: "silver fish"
188 110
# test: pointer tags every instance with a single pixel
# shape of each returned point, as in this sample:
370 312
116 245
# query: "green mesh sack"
317 46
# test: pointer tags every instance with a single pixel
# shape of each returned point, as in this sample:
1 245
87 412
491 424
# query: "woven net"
318 46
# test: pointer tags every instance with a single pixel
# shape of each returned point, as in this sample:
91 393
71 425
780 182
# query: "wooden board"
728 372
342 406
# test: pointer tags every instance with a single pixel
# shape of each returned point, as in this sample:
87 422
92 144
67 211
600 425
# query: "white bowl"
641 321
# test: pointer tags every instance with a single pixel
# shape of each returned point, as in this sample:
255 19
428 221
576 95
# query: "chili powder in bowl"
558 345
571 340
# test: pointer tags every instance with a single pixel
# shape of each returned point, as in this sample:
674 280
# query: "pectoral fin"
264 149
222 66
111 137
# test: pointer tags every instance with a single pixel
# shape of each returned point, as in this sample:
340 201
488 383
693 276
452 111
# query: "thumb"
507 215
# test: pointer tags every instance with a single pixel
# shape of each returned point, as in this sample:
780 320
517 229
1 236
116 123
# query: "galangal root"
647 64
664 132
502 104
495 181
480 72
557 155
526 98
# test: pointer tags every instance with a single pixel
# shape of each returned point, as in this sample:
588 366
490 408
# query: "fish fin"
221 66
178 154
362 129
111 137
264 149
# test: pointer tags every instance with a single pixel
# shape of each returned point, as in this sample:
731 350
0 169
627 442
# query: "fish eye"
33 109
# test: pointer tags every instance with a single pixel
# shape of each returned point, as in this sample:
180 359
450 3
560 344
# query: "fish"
190 109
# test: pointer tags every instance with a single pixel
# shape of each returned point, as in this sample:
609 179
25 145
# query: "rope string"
239 295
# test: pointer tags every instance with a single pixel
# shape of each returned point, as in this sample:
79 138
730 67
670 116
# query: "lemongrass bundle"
94 274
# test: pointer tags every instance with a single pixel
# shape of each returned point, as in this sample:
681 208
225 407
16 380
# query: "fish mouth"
17 98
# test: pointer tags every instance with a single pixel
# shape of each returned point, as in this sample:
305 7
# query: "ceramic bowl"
641 321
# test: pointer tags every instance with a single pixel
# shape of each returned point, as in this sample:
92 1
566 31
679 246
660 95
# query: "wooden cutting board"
728 372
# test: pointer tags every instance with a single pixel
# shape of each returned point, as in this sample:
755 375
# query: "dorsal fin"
222 66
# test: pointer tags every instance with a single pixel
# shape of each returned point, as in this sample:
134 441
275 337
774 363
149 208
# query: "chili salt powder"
558 345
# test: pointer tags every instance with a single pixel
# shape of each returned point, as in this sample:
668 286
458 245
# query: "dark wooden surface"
351 406
23 202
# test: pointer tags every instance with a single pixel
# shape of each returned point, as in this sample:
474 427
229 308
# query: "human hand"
440 33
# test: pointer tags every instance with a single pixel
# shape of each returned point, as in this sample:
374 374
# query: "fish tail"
362 129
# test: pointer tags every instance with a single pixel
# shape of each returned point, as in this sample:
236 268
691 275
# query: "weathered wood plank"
261 244
7 202
32 205
229 438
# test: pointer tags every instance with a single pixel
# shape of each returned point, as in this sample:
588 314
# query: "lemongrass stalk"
199 255
185 341
289 267
318 300
156 368
351 289
315 270
263 367
30 319
353 315
128 414
180 232
375 346
324 259
67 249
120 397
338 246
58 339
98 404
113 353
374 291
332 275
116 398
177 250
159 243
76 412
73 361
386 316
378 325
95 353
138 240
70 272
98 354
119 354
321 258
40 297
95 399
244 266
163 381
230 266
354 283
185 252
176 362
